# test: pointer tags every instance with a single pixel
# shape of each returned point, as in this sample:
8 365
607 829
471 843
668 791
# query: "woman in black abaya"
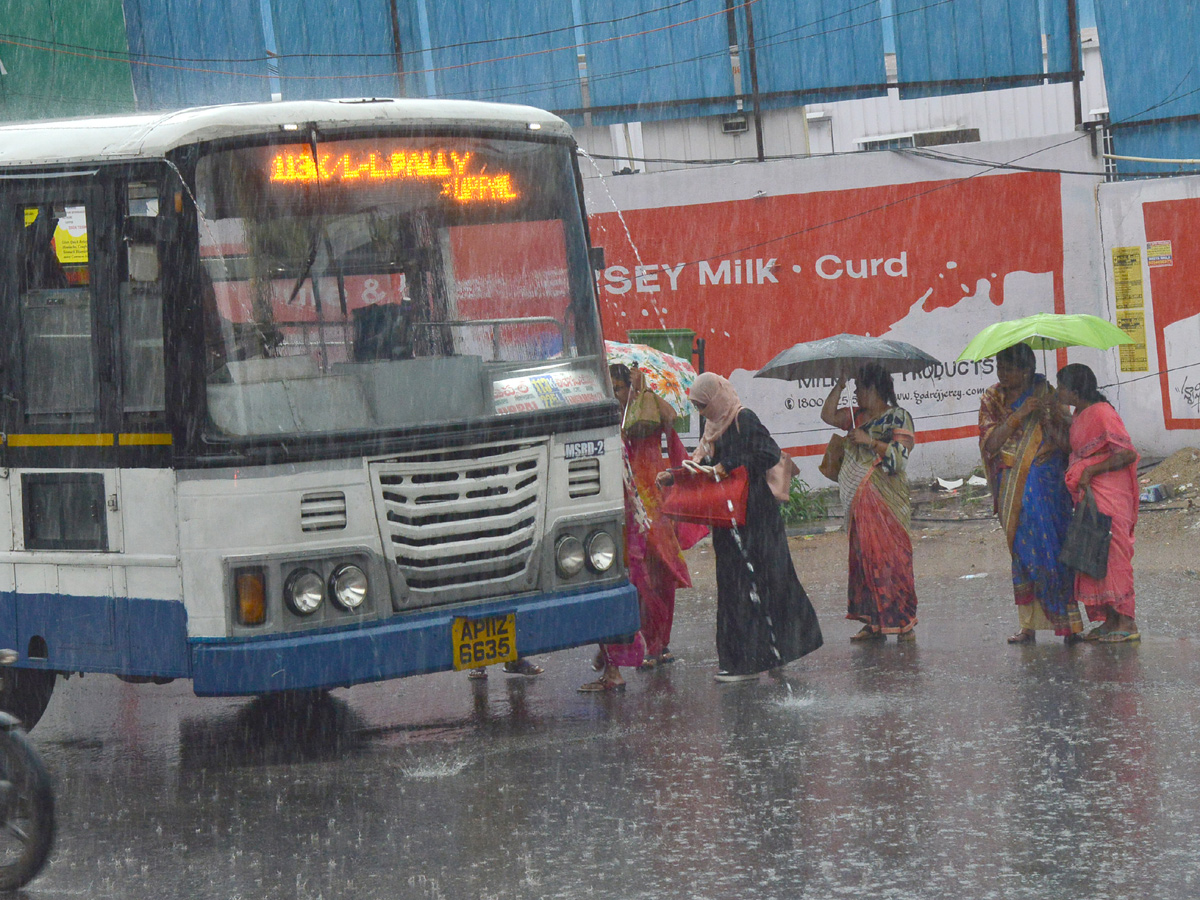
764 617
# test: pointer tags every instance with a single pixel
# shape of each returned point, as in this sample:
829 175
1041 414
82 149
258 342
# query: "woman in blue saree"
1024 442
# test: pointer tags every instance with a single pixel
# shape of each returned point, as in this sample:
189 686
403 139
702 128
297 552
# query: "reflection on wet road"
953 767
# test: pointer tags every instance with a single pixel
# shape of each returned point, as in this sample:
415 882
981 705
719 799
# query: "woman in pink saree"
654 544
1103 461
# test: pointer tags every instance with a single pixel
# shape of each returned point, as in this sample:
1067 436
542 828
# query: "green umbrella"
1046 331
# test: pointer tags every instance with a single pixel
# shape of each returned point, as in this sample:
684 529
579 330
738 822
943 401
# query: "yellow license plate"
484 642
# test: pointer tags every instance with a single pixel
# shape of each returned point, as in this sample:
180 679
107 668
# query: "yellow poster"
70 237
1133 356
1127 277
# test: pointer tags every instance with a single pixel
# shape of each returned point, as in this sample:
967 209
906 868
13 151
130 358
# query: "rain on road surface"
953 767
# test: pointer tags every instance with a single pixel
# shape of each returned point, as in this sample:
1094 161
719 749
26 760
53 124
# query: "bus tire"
26 809
25 693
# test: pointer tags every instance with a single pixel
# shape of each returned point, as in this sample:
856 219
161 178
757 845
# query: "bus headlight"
601 551
348 587
568 556
304 592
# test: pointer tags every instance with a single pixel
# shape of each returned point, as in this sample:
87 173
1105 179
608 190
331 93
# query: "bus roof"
153 135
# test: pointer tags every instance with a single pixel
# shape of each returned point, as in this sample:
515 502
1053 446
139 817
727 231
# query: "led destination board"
461 177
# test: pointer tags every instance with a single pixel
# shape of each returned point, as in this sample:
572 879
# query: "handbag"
642 417
831 462
779 477
1085 548
697 496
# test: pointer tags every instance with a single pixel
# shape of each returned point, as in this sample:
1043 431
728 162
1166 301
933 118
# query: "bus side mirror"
596 258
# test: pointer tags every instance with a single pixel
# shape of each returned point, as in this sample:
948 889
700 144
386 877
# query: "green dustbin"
677 342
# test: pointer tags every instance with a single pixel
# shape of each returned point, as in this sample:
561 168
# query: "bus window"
141 305
56 313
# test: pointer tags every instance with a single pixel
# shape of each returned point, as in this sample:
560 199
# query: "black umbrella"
842 355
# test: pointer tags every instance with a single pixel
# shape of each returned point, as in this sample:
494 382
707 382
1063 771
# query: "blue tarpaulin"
343 50
498 50
190 53
648 53
816 51
1151 73
967 45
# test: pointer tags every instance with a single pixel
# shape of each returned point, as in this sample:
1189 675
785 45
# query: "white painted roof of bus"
152 135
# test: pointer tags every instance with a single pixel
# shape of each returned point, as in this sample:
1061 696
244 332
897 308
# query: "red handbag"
697 497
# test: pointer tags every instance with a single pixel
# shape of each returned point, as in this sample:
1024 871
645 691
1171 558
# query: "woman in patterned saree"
874 492
653 543
1023 439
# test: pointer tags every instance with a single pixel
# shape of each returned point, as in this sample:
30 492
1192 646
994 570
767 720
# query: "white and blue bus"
300 395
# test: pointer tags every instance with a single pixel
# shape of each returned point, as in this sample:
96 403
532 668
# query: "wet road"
953 767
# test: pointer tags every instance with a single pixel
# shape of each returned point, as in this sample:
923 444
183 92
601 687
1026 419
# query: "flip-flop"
601 686
522 667
1119 637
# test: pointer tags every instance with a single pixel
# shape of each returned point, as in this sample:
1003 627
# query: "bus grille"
462 524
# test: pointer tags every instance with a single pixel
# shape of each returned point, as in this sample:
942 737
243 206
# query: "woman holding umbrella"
1024 444
882 593
653 543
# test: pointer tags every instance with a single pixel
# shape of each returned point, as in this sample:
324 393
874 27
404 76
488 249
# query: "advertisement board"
930 263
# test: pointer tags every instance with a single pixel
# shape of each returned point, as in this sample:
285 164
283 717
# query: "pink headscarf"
721 406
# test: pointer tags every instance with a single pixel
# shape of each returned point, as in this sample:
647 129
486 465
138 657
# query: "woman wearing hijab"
1103 462
874 491
764 617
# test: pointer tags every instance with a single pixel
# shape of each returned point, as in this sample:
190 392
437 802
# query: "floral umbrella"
668 376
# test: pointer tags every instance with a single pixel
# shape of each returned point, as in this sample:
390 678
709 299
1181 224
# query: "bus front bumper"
405 644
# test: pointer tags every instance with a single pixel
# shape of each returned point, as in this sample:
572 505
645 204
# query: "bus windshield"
388 283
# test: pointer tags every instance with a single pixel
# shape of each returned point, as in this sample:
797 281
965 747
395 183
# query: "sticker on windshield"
553 390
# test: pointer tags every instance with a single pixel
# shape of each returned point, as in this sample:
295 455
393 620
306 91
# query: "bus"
301 395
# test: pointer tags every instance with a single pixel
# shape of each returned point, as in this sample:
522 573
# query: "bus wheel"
25 693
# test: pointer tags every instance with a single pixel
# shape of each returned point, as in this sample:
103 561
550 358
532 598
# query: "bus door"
82 414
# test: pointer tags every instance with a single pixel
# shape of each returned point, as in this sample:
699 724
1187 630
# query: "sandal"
867 634
522 667
905 637
601 686
1119 637
479 674
666 657
648 664
1023 637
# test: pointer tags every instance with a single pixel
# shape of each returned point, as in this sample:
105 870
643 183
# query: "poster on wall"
930 263
1130 299
1176 304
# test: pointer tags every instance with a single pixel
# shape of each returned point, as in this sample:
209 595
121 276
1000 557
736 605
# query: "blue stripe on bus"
409 644
126 636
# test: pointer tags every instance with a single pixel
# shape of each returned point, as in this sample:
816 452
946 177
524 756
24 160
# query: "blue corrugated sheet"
498 50
654 52
189 52
967 44
1151 72
824 49
343 50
